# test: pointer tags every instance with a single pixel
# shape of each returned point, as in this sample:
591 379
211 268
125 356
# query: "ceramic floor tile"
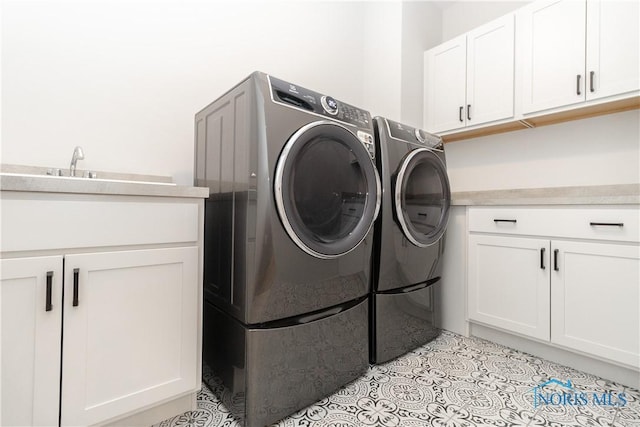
452 381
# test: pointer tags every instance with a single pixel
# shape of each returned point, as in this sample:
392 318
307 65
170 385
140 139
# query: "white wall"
596 151
421 30
382 58
458 17
451 293
396 35
123 79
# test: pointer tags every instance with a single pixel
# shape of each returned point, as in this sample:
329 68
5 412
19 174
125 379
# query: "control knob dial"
420 136
329 104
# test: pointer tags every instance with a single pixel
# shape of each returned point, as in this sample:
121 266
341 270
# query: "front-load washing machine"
294 193
409 238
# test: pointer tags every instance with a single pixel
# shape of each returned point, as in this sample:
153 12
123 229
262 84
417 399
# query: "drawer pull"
542 251
607 224
555 260
505 220
76 279
47 303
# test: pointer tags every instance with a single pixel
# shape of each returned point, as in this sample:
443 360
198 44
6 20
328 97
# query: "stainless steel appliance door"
422 197
327 189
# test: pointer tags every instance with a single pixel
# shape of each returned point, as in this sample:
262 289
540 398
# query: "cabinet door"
132 338
552 35
444 87
595 289
613 47
509 283
30 340
490 62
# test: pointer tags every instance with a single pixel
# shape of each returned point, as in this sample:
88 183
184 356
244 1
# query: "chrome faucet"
78 154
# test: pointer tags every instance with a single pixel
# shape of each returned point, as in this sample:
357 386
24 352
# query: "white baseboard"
158 413
619 374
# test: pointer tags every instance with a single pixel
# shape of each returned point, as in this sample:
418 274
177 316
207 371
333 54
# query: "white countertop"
34 179
622 194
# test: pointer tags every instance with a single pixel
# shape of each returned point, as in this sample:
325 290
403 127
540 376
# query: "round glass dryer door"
422 197
327 189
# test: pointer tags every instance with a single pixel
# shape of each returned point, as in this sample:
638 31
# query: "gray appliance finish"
409 238
294 193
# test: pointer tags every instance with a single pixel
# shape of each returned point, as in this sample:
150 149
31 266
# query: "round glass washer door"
327 189
422 197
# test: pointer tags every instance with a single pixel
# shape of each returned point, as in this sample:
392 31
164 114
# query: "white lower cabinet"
30 340
595 296
581 295
106 327
507 287
130 335
131 339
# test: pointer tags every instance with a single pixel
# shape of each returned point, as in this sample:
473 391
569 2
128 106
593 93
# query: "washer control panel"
298 97
414 135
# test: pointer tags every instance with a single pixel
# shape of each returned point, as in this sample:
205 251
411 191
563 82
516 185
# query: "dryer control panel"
413 135
295 96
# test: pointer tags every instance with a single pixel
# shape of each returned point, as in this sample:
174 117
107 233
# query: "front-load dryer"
409 238
294 193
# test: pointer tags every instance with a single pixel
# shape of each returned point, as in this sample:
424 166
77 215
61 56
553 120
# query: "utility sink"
47 180
36 172
83 178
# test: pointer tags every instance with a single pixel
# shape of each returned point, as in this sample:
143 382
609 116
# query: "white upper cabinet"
470 80
445 79
552 53
613 44
575 51
490 78
549 61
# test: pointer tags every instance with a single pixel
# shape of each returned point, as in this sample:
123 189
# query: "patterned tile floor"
454 381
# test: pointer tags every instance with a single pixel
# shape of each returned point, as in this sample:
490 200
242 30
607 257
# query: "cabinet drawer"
45 221
620 223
